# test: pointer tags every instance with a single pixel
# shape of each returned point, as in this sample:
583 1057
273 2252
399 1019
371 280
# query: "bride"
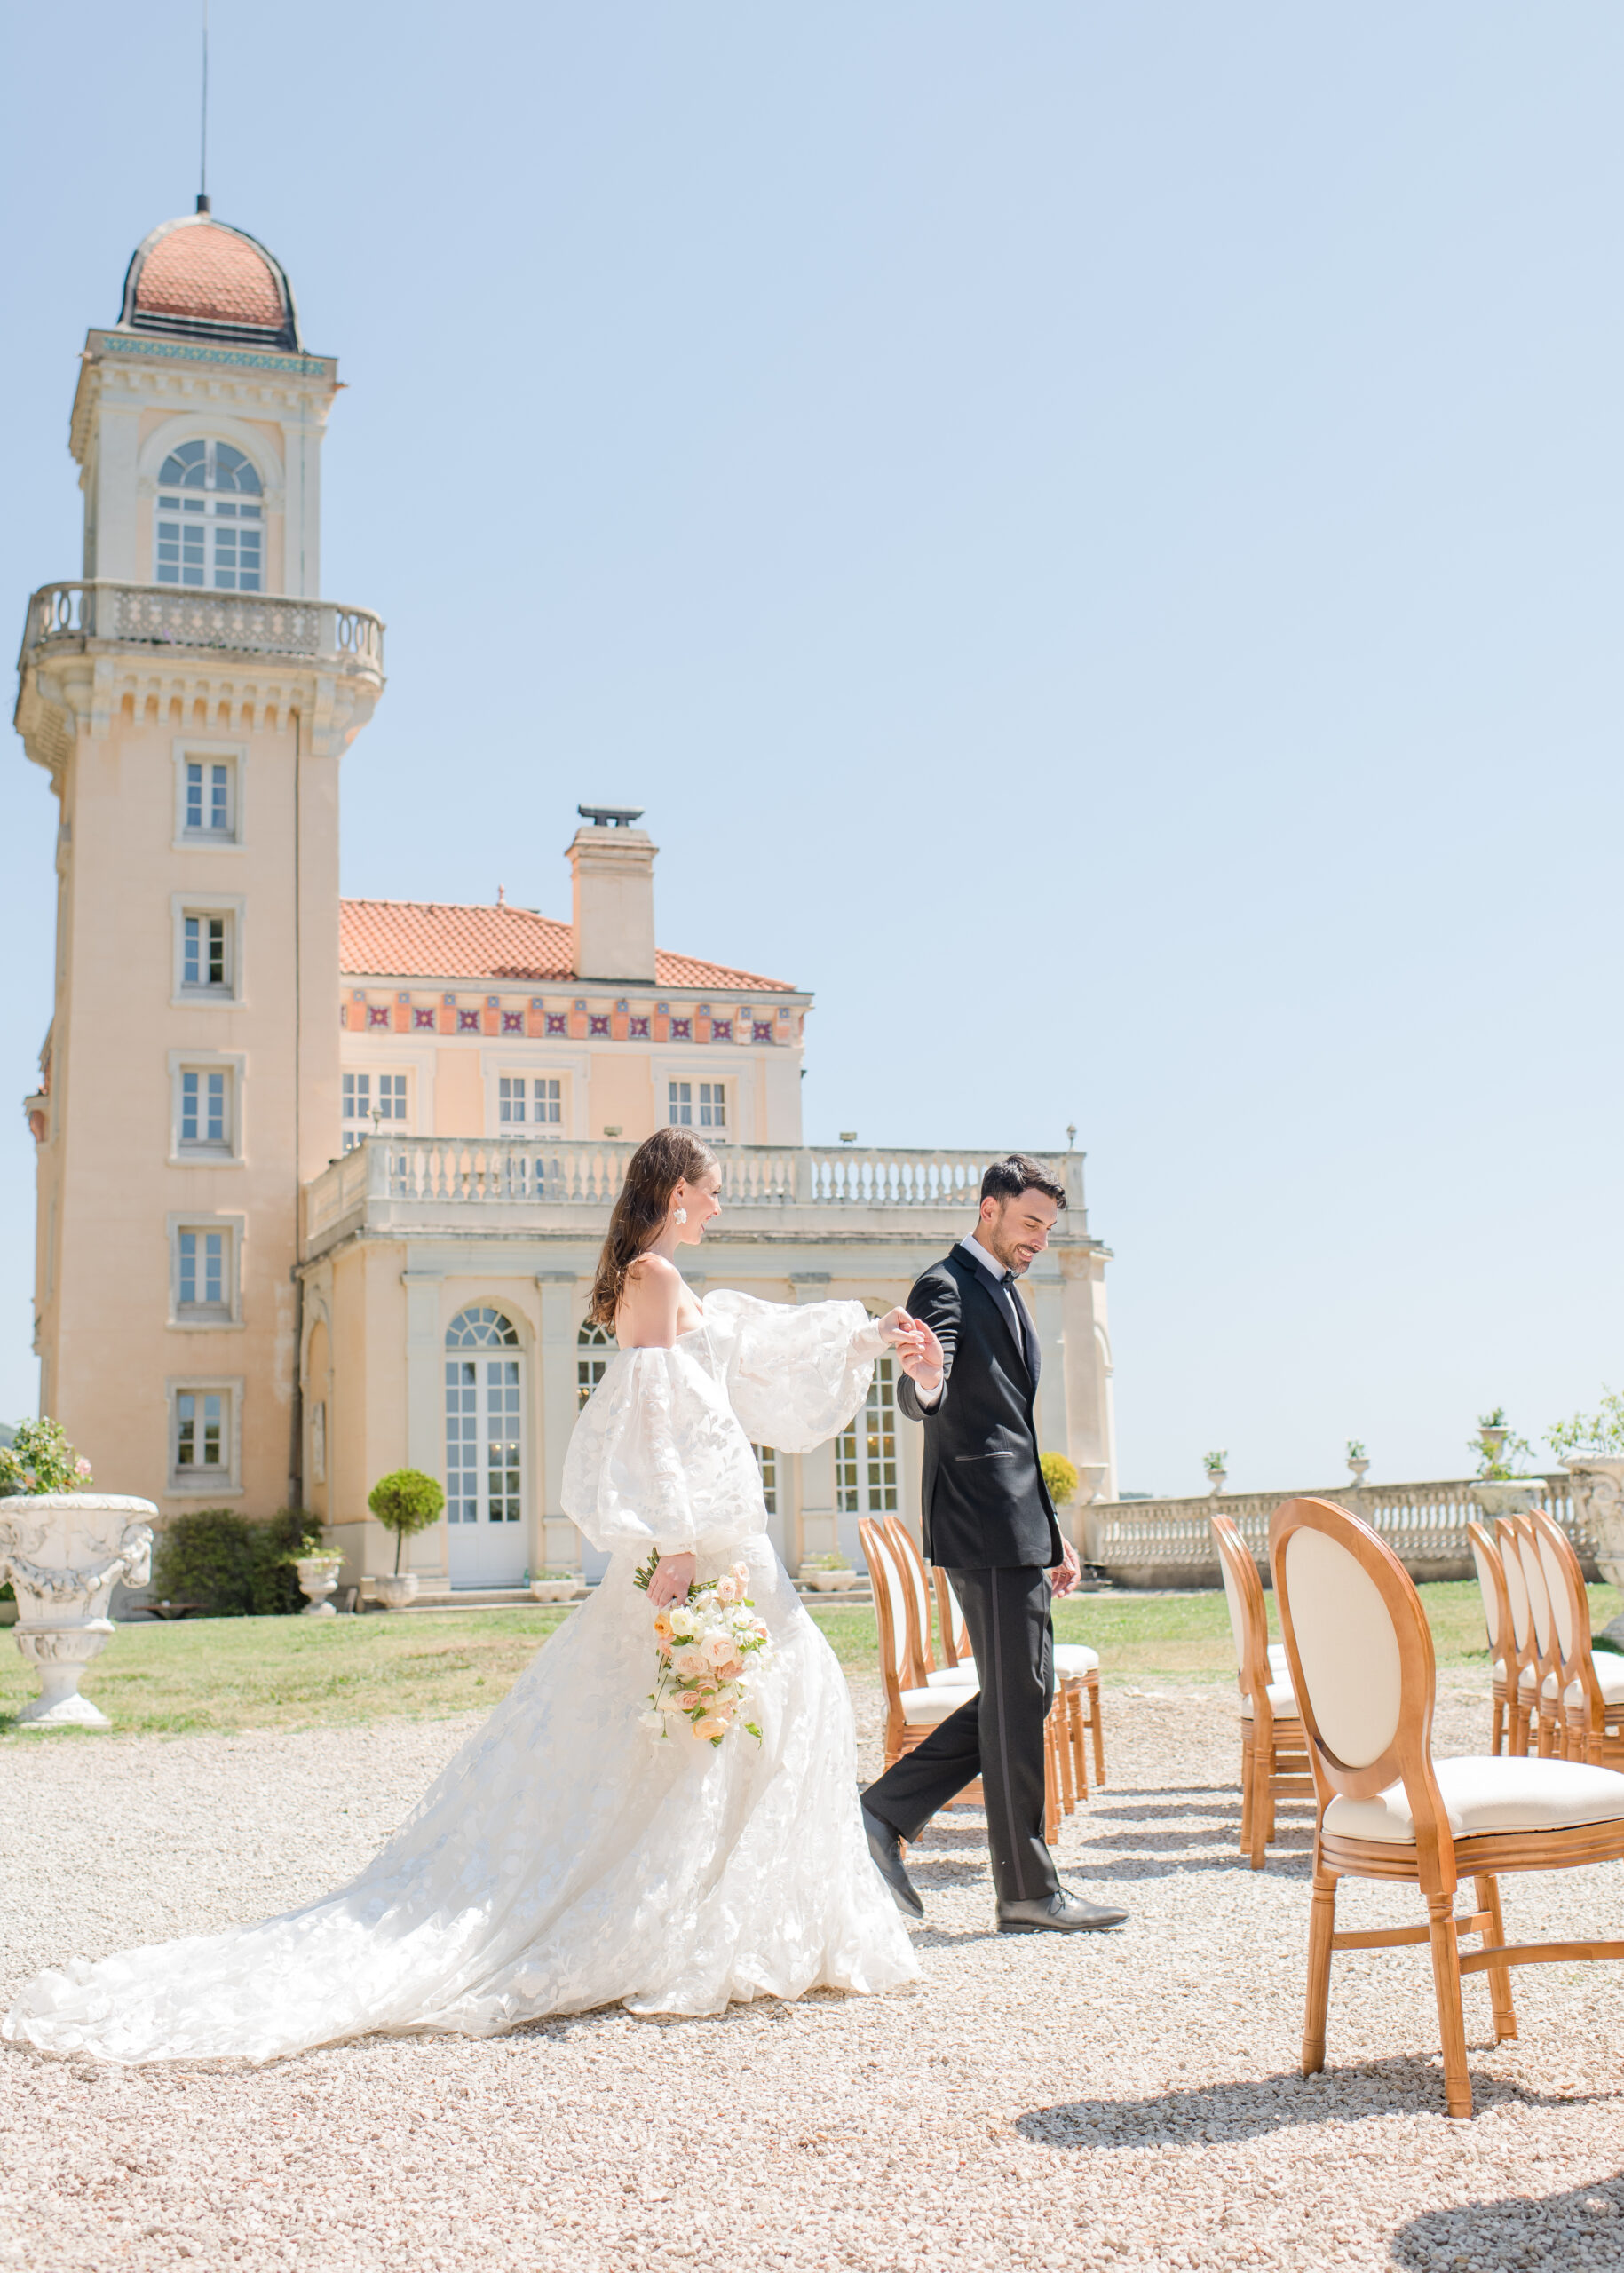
567 1857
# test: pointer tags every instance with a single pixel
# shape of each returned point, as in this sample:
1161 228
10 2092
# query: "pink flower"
728 1589
713 1725
717 1648
690 1664
732 1670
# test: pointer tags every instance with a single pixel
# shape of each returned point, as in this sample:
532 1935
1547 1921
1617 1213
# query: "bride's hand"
674 1574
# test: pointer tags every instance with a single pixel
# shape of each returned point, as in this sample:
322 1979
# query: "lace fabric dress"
565 1857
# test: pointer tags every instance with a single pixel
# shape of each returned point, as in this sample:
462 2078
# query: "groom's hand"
919 1353
1066 1572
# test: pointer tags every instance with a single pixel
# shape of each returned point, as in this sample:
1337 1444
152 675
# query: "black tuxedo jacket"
986 1504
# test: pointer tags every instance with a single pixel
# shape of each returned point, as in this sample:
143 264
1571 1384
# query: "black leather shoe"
1057 1913
886 1848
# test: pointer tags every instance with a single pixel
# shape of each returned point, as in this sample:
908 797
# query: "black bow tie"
1008 1279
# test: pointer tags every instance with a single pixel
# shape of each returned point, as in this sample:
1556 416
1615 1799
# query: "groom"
989 1521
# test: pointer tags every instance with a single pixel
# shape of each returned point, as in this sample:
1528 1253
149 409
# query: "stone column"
820 1526
425 1407
562 1545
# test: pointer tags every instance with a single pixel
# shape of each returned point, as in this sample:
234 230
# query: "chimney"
611 868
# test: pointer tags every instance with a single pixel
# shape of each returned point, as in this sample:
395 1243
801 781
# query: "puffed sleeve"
794 1375
658 1458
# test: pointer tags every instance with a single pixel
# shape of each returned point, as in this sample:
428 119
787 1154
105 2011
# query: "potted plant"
827 1575
1590 1446
1217 1472
318 1574
405 1501
1358 1461
1503 1486
64 1546
556 1586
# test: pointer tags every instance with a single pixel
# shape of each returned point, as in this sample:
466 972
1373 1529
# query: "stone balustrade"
412 1185
1168 1542
70 616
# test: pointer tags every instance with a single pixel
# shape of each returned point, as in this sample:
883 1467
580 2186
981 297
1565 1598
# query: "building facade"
322 1183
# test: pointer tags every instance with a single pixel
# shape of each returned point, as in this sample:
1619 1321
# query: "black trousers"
997 1734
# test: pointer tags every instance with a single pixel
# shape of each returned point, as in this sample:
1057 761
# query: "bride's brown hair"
669 1157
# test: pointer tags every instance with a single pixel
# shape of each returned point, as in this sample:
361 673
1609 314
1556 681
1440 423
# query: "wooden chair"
913 1706
1522 1680
1542 1680
1273 1747
1360 1654
1502 1646
1592 1692
1076 1687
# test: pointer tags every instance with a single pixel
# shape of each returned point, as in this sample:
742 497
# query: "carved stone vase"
64 1552
318 1576
1513 1495
1598 1502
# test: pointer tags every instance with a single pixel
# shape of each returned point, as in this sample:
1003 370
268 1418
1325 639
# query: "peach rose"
717 1648
712 1725
732 1670
688 1664
728 1589
690 1698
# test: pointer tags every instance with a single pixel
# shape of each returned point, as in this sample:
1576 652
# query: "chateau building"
322 1183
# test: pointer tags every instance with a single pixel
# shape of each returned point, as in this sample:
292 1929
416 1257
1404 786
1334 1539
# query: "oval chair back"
1545 1690
1492 1587
1248 1619
911 1564
1362 1667
891 1608
1570 1607
1517 1595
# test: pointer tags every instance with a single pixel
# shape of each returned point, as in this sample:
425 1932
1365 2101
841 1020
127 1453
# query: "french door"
485 1463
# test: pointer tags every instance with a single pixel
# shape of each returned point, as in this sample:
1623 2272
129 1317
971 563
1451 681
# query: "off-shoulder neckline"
638 1347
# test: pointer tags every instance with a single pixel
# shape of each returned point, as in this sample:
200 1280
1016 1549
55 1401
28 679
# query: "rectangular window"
369 1100
712 1105
202 1270
536 1101
202 1430
766 1461
209 802
205 958
205 1107
681 1115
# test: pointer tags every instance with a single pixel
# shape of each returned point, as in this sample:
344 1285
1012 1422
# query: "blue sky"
1093 532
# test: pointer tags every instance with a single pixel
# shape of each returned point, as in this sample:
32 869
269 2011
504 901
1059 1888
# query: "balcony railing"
1168 1542
413 1182
160 615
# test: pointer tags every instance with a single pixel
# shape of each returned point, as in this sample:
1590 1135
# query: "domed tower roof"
197 278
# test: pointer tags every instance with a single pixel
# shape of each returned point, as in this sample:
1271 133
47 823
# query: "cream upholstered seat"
1609 1680
1273 1765
1362 1667
927 1707
1072 1661
1492 1794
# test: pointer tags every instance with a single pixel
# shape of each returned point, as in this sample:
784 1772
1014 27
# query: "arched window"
210 520
595 1346
483 1448
866 1449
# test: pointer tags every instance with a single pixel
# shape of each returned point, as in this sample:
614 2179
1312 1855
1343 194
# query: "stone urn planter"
1598 1502
63 1552
318 1576
556 1590
1359 1470
396 1588
827 1582
1515 1496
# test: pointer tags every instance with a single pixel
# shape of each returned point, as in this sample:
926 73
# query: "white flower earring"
679 1215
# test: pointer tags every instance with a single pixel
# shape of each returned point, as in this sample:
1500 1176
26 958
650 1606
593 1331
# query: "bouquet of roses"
702 1647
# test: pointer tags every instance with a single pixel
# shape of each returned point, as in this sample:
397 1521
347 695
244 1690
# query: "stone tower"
190 698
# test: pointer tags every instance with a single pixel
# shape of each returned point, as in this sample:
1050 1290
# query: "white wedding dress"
567 1857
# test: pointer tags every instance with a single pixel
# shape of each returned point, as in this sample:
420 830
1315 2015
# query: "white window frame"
351 1130
703 1062
528 1126
197 751
233 907
228 1318
212 509
570 1071
198 1155
225 1481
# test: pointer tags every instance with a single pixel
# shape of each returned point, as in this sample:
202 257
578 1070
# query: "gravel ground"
1122 2101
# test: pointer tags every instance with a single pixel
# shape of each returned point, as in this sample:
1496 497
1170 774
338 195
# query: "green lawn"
225 1673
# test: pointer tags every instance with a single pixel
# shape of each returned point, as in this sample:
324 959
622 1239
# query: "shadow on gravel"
1255 2107
1585 2226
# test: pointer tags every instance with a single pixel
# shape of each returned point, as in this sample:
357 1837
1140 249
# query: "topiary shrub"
237 1568
1060 1477
405 1501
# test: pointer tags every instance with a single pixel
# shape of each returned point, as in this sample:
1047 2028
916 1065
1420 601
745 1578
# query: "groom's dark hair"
1007 1179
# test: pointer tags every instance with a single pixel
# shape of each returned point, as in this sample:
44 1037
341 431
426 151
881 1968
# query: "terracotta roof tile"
432 939
210 272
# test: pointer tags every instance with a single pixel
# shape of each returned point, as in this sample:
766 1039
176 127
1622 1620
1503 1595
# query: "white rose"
682 1621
